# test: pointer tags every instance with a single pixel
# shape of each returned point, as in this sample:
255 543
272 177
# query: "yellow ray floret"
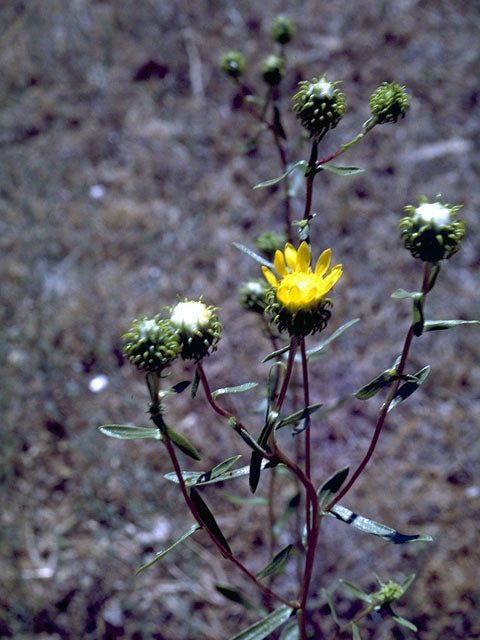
300 288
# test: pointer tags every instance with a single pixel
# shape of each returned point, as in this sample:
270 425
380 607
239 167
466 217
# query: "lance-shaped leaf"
355 632
328 597
277 123
177 388
379 382
418 317
442 325
246 437
339 171
356 592
331 486
290 631
263 628
256 459
237 389
409 387
401 294
243 500
299 415
434 271
292 506
315 350
253 255
402 621
208 520
160 555
235 595
276 564
374 528
126 432
181 442
195 383
321 413
275 354
194 477
273 181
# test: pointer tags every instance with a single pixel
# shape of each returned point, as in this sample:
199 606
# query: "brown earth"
123 184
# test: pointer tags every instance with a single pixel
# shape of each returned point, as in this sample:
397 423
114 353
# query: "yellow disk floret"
300 291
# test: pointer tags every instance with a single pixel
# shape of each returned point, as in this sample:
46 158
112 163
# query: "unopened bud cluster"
282 29
319 106
253 295
273 69
232 63
389 102
431 231
192 331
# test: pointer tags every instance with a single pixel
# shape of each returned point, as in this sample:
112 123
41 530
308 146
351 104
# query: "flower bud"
253 295
151 344
232 63
198 328
431 231
388 592
268 242
389 102
273 69
282 29
319 105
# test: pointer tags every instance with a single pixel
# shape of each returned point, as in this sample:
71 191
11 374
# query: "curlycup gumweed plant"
293 292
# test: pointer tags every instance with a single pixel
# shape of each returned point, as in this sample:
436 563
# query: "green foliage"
263 628
163 553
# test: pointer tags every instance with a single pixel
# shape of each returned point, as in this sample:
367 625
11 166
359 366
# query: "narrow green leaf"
125 432
195 383
177 388
194 477
208 519
379 382
332 485
404 622
263 628
235 595
182 443
409 387
441 325
355 632
256 459
275 354
401 294
299 415
246 437
339 171
291 631
355 591
375 528
160 555
328 597
418 317
243 500
333 337
292 506
408 581
273 181
253 255
276 564
237 389
217 471
321 413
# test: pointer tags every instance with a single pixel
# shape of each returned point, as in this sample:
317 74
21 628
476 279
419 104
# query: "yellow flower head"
300 288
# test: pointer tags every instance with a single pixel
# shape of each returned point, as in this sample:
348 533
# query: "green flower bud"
389 102
282 29
232 63
273 69
151 344
388 593
268 242
319 106
198 328
253 295
431 231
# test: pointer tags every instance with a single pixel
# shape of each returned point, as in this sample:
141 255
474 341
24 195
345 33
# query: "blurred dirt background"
122 184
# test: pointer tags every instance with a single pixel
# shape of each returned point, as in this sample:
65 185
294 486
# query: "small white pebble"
97 191
98 383
472 492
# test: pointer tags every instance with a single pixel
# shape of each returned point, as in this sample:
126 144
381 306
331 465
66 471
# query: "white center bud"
434 212
190 316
